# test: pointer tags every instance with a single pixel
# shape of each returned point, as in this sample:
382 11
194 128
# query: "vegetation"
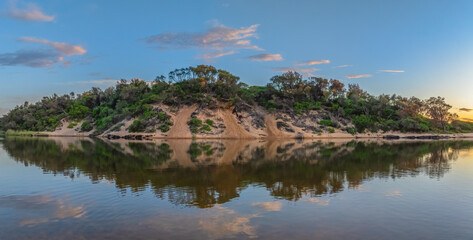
289 92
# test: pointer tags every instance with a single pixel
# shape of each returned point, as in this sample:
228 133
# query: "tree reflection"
205 173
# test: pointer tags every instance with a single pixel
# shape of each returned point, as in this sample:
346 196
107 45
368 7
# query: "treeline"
206 85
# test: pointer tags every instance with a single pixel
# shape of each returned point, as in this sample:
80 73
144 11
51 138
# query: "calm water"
72 188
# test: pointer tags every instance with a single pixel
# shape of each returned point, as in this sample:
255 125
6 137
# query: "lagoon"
86 188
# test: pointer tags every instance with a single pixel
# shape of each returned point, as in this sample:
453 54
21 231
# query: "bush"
389 125
331 130
326 123
306 105
194 125
72 124
206 128
86 126
162 116
117 127
137 126
361 122
209 122
164 128
350 130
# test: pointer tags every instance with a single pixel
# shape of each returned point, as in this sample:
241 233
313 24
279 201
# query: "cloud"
217 37
465 109
41 57
308 75
344 66
320 202
95 74
31 58
392 71
394 193
467 119
34 208
221 222
290 69
216 54
312 62
64 48
30 13
359 76
266 57
269 206
106 81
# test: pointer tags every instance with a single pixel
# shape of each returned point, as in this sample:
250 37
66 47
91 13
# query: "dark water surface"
69 188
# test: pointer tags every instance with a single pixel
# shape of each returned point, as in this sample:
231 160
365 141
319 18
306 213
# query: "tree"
290 85
336 88
438 110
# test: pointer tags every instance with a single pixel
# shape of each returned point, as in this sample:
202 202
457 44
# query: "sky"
419 48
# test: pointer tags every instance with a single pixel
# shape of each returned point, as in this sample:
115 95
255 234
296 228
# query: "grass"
25 133
72 124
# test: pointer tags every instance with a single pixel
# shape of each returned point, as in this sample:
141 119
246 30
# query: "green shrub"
209 122
389 125
137 126
331 130
162 116
424 127
306 105
117 127
72 124
195 124
164 128
350 130
86 126
77 111
326 123
206 127
361 122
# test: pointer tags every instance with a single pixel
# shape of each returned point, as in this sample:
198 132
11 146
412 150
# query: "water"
69 188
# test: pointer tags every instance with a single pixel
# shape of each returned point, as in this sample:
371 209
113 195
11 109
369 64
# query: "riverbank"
148 136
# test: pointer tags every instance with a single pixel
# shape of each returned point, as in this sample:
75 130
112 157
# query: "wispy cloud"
105 81
269 206
217 37
41 57
30 12
467 119
344 66
319 201
216 54
63 48
465 109
301 70
95 74
392 71
308 75
359 76
312 62
31 58
266 57
394 193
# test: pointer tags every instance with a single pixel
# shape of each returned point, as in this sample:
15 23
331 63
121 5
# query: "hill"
206 102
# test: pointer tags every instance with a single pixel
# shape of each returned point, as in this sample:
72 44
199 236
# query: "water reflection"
39 209
210 173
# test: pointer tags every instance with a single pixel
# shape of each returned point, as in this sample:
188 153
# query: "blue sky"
63 46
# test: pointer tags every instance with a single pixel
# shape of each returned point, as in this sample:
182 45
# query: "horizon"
420 49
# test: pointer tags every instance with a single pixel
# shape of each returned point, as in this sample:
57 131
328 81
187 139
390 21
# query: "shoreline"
146 136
